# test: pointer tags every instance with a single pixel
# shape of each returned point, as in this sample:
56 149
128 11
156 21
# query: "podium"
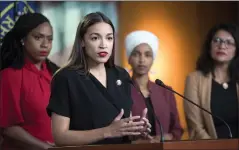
228 144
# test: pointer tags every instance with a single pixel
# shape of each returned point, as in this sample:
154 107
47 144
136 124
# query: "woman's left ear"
82 43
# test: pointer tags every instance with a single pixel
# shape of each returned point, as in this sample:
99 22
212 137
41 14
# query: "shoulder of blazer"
201 81
198 75
155 89
121 72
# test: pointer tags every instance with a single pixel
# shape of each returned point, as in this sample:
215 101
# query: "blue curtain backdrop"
11 10
64 16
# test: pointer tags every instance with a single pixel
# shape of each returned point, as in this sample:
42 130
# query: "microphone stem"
161 129
230 133
159 123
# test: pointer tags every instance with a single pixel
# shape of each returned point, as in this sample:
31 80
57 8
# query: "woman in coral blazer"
214 86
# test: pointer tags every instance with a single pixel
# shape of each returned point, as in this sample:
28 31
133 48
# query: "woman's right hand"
124 127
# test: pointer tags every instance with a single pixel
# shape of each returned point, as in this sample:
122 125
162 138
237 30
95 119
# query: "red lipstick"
102 54
43 53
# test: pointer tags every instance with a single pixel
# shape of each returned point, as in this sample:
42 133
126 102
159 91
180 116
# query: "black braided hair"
11 52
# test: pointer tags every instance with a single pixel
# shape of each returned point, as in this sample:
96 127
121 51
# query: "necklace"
225 85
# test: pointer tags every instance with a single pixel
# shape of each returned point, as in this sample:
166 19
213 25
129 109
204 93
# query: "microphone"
160 83
160 125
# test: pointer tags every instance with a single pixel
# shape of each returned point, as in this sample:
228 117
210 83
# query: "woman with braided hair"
25 75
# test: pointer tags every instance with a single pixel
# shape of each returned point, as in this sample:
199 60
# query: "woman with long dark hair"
215 85
90 101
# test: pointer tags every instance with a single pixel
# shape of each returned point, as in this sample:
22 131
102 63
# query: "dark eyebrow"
38 33
225 39
99 34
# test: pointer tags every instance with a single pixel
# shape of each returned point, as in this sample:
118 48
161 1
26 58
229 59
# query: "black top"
224 103
151 115
87 103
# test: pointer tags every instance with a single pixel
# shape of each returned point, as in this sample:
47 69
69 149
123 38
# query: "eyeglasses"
228 43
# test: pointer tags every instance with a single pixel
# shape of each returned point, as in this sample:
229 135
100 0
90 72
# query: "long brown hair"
77 60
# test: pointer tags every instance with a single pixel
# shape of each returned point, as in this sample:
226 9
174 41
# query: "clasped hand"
132 126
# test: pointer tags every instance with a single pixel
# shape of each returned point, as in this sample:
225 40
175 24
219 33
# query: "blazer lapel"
238 97
116 93
238 94
206 85
161 107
